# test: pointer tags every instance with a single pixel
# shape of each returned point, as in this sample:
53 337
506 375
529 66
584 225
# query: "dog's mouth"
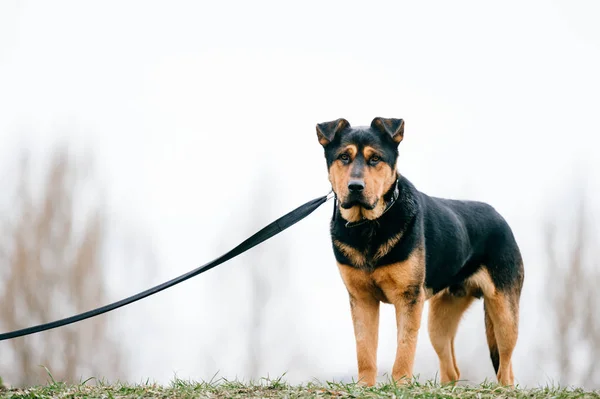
352 202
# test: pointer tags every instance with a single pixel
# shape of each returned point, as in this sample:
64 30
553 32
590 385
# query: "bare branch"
573 275
52 266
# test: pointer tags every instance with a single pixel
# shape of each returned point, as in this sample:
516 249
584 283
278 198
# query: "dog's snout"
356 186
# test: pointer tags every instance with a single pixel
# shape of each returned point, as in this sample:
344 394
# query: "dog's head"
362 163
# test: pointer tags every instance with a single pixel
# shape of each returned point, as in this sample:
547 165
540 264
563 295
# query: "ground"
267 388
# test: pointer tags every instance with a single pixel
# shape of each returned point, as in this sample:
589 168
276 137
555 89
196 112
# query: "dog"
397 245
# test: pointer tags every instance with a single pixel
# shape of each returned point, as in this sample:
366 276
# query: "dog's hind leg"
501 308
502 327
445 312
491 339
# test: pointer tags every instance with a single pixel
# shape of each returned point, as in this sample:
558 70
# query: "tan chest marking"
361 259
387 246
389 283
357 258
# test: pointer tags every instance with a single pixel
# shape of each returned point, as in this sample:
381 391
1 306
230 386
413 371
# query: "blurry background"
141 139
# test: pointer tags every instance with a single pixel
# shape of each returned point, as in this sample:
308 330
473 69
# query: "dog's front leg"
409 308
365 317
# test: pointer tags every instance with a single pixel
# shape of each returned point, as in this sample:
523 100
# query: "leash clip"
329 196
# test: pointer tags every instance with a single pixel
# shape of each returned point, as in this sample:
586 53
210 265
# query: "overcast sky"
190 107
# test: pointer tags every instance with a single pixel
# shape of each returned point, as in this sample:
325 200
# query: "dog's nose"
356 186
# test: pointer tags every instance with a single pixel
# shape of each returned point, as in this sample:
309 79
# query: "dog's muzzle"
357 199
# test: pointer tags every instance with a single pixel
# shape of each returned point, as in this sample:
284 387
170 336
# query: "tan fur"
365 317
428 293
490 334
356 257
339 175
387 246
322 140
378 179
505 321
385 124
501 324
400 284
480 280
353 214
368 152
341 125
364 306
351 150
445 311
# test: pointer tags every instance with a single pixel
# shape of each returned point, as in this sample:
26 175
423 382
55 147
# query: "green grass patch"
277 388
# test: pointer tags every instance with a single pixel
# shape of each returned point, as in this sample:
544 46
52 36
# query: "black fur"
361 137
458 237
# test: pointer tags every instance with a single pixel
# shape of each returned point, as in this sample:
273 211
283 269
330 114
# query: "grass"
277 388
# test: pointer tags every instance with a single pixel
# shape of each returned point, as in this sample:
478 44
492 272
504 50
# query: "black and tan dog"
396 245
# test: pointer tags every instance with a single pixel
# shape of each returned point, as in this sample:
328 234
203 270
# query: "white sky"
187 104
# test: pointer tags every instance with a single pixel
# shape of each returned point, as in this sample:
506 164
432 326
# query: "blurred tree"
271 326
573 279
265 291
51 266
267 274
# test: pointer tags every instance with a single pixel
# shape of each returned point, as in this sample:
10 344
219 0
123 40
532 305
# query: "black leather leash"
264 234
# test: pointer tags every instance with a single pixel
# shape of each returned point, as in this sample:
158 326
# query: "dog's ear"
326 131
393 127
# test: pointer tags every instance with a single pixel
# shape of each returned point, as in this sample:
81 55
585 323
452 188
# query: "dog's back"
463 236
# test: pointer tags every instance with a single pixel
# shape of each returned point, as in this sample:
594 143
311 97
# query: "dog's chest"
399 282
364 250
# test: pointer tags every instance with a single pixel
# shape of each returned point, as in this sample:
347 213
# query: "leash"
264 234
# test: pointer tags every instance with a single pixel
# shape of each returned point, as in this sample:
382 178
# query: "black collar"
388 205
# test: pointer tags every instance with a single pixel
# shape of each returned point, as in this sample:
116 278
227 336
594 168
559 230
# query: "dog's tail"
491 339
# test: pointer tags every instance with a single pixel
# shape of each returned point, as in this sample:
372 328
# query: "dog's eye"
374 160
344 157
